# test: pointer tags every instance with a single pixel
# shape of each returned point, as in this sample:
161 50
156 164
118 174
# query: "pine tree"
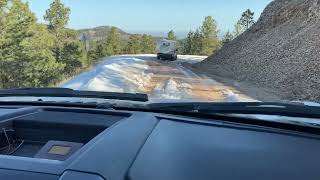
113 42
148 44
71 52
188 44
134 45
26 59
198 43
97 51
42 68
238 29
209 31
227 37
4 26
247 19
101 50
68 48
171 36
57 16
194 43
17 22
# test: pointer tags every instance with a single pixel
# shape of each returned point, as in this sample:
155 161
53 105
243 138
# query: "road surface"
161 80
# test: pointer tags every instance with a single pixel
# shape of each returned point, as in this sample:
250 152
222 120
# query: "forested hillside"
41 55
36 55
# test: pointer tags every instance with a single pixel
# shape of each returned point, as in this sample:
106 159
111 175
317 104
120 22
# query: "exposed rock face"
281 51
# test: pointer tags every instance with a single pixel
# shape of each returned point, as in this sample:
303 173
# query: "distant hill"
92 35
100 33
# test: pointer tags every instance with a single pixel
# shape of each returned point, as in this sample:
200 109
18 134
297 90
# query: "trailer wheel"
172 57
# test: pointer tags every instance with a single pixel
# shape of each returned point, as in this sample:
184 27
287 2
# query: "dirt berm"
281 52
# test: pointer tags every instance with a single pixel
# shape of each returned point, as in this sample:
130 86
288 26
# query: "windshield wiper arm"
66 92
280 109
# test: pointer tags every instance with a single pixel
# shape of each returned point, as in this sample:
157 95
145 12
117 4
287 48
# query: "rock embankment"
280 52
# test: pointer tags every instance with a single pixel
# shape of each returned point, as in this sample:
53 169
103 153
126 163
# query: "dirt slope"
280 52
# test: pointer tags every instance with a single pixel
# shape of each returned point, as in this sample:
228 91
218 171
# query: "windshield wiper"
65 92
280 109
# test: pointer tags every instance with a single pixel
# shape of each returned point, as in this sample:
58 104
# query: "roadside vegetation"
40 55
33 54
205 40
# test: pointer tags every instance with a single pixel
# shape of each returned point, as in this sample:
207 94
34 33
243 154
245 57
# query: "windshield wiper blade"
66 92
263 108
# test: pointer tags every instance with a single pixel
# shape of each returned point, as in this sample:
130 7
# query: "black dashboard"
117 145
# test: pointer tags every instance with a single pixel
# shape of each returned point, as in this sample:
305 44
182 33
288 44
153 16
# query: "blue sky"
152 16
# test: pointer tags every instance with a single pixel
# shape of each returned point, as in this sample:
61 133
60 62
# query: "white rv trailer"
167 50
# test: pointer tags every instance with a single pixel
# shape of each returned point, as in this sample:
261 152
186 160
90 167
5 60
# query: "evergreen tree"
209 32
198 43
194 43
247 19
16 24
171 36
101 50
68 48
134 45
238 29
85 60
227 37
41 69
148 44
188 44
57 16
97 51
72 51
25 55
113 42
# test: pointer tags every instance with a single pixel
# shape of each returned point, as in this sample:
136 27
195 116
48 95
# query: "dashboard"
64 143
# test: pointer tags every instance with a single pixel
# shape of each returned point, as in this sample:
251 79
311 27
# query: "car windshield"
171 50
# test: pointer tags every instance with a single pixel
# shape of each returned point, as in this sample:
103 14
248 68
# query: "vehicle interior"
159 90
46 141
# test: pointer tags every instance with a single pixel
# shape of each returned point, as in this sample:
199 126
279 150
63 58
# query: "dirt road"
161 80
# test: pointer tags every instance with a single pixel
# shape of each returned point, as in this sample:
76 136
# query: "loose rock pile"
280 52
